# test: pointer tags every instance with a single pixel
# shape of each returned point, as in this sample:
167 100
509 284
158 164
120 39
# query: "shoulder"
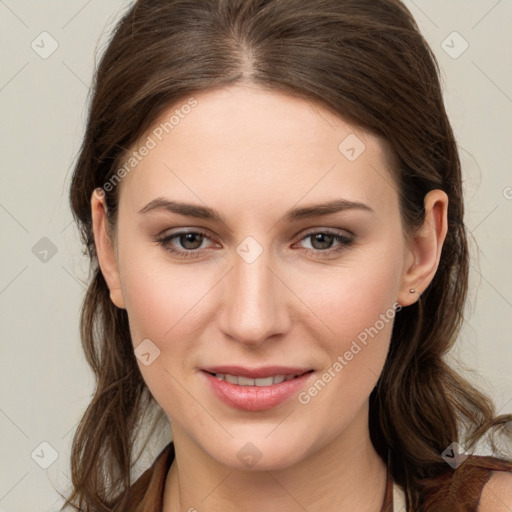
497 493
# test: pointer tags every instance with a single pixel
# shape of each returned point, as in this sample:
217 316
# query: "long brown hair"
364 60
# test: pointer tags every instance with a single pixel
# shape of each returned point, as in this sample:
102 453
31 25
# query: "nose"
256 301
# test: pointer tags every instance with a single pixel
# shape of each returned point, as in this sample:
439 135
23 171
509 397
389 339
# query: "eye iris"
321 238
189 237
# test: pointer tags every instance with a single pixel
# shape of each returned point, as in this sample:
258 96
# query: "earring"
412 290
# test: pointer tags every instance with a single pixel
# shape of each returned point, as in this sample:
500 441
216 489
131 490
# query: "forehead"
245 145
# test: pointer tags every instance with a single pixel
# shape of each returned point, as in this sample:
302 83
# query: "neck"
346 474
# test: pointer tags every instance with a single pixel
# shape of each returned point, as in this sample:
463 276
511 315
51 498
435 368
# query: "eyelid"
304 233
325 229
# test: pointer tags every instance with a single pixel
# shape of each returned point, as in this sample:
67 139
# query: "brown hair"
364 60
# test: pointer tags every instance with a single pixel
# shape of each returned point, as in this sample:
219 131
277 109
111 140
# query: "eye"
191 242
322 241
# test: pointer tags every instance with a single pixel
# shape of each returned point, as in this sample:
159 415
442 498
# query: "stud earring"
412 290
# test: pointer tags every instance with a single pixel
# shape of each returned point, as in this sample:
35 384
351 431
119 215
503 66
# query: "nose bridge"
253 303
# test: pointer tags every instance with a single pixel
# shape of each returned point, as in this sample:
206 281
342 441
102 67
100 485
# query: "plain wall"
45 383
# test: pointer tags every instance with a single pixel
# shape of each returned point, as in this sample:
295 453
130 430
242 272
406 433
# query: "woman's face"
269 284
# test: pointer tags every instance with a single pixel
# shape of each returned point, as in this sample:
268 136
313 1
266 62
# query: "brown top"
462 486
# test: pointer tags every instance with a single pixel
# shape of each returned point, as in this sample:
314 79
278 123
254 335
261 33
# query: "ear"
425 247
105 248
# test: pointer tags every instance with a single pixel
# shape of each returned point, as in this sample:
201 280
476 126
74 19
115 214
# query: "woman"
270 194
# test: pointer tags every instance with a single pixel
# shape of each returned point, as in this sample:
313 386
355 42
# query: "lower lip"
256 398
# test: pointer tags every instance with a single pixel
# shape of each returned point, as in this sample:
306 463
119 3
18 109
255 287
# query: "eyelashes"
188 237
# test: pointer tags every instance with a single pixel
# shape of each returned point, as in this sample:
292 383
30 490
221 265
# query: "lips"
256 389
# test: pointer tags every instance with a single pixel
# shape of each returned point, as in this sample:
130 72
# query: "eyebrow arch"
292 215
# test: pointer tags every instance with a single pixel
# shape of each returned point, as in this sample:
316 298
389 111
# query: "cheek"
163 305
357 306
161 298
353 297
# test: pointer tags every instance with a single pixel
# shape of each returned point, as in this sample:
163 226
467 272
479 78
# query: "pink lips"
256 398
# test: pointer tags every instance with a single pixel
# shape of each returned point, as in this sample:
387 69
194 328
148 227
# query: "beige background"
45 384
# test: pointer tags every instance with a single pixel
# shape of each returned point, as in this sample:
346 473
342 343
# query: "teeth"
245 381
268 381
230 378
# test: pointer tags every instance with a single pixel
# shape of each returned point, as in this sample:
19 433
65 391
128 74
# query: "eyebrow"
292 215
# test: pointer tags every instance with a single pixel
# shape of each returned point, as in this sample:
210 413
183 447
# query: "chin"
258 453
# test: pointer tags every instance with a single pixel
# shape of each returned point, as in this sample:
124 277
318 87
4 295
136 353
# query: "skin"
252 154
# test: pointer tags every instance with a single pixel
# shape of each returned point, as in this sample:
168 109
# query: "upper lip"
257 373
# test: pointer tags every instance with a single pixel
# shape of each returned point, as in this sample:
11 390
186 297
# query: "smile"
256 393
246 381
